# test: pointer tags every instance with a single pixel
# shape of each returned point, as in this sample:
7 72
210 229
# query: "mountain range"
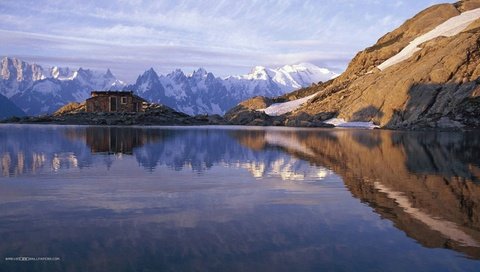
423 75
37 90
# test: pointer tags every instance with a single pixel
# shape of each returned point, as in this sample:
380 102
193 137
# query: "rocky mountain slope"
8 109
425 74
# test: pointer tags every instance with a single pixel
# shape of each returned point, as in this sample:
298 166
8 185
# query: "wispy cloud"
223 36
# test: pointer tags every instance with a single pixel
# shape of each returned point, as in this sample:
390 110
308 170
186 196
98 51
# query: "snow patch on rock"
341 123
449 28
282 108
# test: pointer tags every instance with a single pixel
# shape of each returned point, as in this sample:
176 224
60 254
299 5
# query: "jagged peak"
200 72
82 73
150 72
13 61
176 74
109 74
5 59
148 75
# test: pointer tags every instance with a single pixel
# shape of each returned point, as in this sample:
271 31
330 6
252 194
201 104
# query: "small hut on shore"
115 101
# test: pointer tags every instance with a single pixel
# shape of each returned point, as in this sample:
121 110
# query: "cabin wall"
103 103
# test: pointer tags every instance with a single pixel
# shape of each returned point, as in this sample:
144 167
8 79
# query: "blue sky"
223 36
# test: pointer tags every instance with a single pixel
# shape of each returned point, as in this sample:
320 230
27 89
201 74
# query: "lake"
238 199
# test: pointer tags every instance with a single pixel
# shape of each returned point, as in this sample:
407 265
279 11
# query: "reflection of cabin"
113 101
114 140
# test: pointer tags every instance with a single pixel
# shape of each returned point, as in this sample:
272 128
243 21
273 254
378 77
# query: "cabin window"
123 100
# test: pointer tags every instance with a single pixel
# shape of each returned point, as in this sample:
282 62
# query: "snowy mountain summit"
38 90
202 93
290 77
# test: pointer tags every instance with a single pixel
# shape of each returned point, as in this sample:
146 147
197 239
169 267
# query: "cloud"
226 36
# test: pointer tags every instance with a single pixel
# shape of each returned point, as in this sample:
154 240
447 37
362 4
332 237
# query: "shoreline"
234 126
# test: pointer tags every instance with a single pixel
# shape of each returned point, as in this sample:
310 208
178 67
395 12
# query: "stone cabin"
115 101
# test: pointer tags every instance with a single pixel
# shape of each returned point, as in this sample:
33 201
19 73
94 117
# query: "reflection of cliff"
424 182
201 149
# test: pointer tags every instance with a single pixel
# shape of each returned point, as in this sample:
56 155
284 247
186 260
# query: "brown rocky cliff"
437 87
391 43
434 88
433 176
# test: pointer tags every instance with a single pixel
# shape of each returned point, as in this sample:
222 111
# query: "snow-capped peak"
289 77
62 73
302 75
199 92
316 73
37 90
298 67
94 79
18 70
259 73
258 69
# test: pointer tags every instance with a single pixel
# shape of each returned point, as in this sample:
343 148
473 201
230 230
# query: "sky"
223 36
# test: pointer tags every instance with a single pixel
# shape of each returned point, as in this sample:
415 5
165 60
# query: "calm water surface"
238 199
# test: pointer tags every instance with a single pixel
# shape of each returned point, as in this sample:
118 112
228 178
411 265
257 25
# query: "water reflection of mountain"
426 183
31 148
25 149
200 149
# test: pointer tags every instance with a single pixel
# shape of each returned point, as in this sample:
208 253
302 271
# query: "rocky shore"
163 116
75 114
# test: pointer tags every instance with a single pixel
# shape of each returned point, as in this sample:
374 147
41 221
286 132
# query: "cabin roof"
116 93
112 92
